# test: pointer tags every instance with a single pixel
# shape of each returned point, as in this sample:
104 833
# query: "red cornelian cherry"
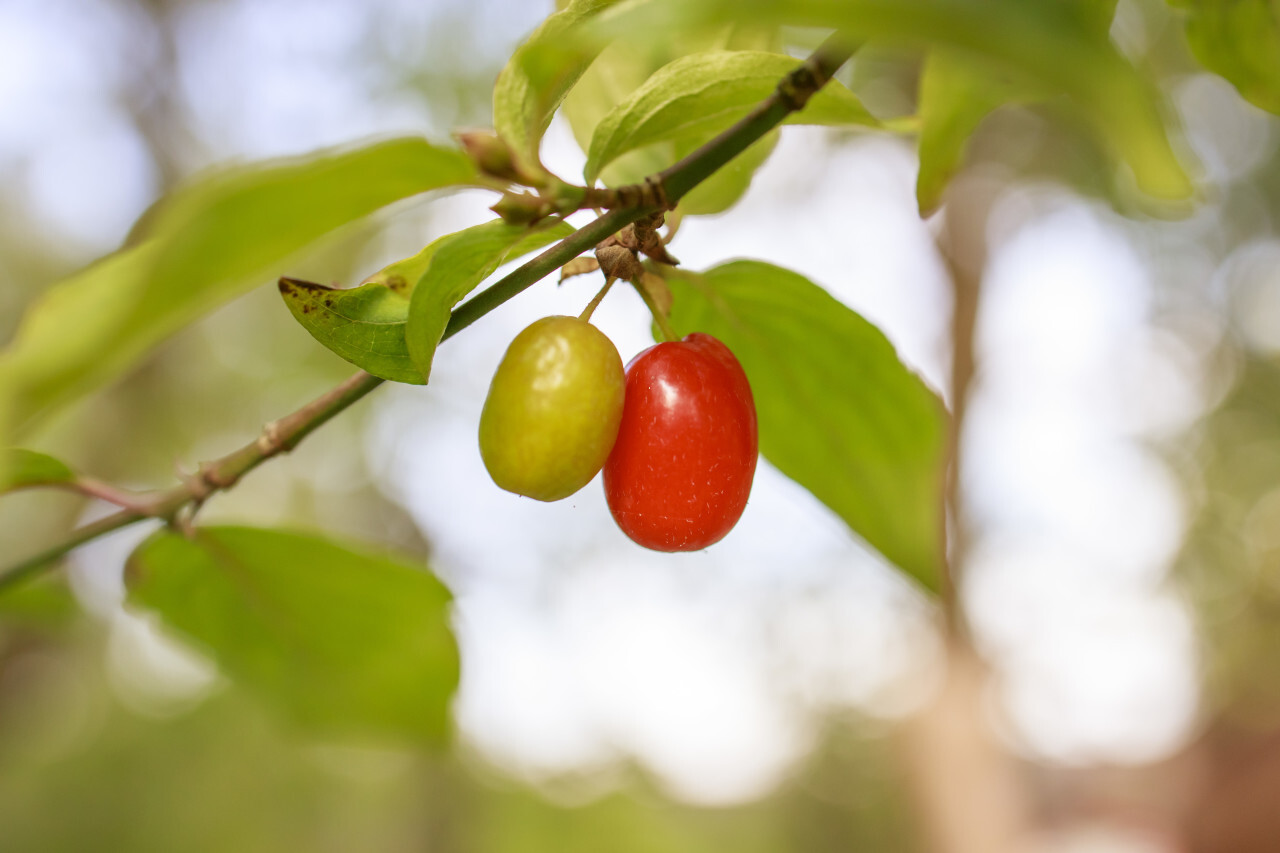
680 471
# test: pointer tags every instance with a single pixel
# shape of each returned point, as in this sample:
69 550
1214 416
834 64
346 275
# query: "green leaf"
839 413
700 95
366 325
42 604
1240 40
955 97
1053 44
461 262
341 641
624 65
539 75
402 275
1098 14
212 241
22 469
80 334
618 71
958 91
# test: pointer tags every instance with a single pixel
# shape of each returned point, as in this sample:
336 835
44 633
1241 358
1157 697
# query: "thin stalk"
585 316
664 325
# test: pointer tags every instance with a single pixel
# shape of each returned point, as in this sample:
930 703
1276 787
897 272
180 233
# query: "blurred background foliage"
154 91
81 770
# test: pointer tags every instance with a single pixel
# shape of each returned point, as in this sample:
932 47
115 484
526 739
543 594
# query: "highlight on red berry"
681 469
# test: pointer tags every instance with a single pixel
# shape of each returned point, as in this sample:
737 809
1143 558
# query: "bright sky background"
580 649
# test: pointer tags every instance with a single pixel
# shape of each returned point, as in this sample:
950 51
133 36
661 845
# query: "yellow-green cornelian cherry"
553 409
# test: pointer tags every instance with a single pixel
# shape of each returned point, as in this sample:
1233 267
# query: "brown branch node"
800 85
649 193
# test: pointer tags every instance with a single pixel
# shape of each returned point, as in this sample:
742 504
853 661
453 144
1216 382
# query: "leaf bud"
490 154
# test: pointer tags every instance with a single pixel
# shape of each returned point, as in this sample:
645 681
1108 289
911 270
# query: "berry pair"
675 433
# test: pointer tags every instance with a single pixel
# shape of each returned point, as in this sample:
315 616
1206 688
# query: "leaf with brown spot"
366 325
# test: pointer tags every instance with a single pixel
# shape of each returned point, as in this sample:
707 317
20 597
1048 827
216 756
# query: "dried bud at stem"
619 262
642 236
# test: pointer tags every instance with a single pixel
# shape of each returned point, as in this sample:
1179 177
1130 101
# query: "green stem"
92 488
283 435
277 437
664 325
792 94
45 559
585 316
662 191
533 271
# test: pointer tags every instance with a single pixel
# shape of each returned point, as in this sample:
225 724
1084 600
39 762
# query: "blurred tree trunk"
966 785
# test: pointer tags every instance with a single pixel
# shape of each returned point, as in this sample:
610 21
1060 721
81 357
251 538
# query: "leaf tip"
295 286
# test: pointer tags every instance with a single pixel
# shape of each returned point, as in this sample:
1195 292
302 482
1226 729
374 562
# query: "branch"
533 271
283 435
962 245
277 437
34 564
792 94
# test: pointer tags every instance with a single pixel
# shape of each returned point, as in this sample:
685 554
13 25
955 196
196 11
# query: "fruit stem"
659 318
585 316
